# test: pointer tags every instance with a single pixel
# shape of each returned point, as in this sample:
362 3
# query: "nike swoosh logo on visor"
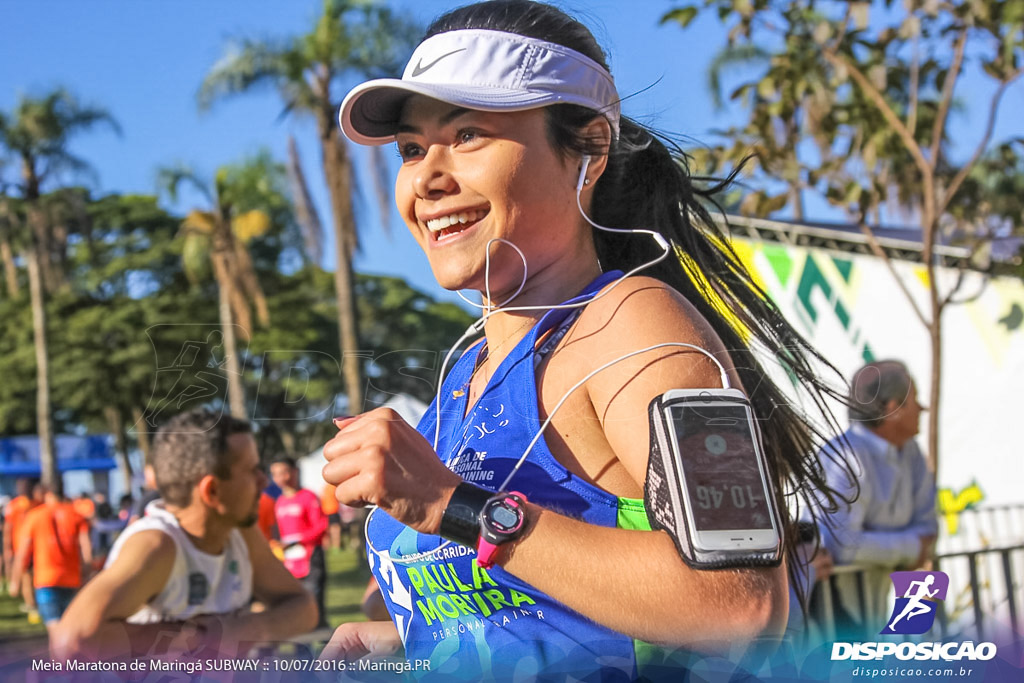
419 69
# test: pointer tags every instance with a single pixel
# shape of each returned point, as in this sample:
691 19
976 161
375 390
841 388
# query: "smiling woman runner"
507 122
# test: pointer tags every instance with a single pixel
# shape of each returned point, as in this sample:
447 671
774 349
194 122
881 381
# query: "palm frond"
305 211
38 129
257 182
249 65
378 42
170 178
62 162
195 256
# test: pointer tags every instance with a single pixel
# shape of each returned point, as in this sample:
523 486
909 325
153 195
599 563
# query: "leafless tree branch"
949 299
877 250
990 125
915 78
956 288
947 95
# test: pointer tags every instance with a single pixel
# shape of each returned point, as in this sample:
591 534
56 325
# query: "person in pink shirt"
301 525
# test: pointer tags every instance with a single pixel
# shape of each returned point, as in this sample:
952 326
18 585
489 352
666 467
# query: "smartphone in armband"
707 480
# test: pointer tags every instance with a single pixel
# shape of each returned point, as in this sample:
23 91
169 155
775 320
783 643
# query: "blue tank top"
471 623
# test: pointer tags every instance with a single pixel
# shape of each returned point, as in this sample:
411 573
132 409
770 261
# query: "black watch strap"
461 519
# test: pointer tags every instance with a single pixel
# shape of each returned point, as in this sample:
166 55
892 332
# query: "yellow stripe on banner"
922 274
996 316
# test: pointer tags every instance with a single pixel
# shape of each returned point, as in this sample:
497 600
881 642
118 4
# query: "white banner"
850 307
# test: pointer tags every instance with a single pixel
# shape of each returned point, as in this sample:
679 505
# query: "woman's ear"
598 133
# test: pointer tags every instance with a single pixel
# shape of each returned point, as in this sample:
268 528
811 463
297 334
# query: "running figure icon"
916 593
919 596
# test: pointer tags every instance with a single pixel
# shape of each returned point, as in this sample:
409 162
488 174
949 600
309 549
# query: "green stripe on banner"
780 262
844 266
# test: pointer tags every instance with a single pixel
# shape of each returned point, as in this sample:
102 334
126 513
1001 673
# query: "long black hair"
647 184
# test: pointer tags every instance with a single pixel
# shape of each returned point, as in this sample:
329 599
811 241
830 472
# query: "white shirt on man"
882 529
200 583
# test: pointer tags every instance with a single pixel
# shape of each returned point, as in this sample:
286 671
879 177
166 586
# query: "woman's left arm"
647 590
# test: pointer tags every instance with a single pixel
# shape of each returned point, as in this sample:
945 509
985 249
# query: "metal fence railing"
989 603
831 616
981 527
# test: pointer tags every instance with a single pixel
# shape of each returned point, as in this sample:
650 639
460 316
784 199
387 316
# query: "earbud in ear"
583 172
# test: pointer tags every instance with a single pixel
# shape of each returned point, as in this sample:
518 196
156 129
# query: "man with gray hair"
890 520
180 581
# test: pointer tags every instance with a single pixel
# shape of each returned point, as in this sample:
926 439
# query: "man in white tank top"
181 579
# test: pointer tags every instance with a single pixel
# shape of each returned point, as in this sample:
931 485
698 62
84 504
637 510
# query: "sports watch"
501 520
481 519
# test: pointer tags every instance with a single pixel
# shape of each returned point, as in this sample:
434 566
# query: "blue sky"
143 61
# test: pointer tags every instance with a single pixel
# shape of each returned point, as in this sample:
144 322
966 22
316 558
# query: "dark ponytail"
647 185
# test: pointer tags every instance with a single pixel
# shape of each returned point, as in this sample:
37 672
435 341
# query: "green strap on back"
632 515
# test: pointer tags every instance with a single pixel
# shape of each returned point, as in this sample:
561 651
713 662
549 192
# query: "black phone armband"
666 496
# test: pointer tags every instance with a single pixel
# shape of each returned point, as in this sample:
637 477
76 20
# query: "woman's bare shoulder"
641 311
645 332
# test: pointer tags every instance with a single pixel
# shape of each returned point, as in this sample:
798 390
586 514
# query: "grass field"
347 576
14 622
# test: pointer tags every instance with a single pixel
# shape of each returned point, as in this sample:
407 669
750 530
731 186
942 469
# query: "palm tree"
36 134
239 205
349 37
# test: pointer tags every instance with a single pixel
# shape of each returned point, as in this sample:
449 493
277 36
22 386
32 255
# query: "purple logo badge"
916 596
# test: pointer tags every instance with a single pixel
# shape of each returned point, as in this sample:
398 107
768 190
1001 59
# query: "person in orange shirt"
346 522
329 504
30 495
266 521
57 539
84 506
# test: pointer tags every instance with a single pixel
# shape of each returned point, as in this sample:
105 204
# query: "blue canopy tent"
19 455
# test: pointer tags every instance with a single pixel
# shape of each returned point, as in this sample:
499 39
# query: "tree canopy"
853 101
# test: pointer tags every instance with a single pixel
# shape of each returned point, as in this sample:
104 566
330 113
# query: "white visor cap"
483 70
